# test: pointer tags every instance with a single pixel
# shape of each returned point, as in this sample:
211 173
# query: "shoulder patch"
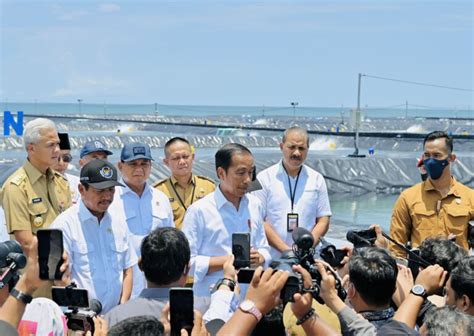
156 184
17 180
206 178
59 175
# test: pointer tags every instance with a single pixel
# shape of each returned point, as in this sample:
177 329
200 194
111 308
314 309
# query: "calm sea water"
150 109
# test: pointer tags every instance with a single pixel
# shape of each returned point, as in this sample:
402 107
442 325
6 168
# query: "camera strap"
414 257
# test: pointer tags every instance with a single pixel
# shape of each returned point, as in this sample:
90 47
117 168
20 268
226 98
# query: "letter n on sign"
9 121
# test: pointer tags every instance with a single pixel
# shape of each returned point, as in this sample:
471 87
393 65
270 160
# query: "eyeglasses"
66 158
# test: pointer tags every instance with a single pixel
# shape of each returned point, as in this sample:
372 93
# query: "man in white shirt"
293 194
144 207
97 241
210 222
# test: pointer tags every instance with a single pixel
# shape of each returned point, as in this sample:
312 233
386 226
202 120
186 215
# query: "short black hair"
224 155
374 274
165 255
442 251
439 135
172 141
138 326
462 279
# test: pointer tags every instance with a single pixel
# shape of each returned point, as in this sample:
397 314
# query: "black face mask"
435 167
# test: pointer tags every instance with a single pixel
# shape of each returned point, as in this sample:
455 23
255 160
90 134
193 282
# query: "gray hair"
33 129
295 129
449 321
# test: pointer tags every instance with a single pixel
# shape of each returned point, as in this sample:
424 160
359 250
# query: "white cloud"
91 86
109 8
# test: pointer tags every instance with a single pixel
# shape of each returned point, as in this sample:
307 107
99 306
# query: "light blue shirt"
209 224
311 200
3 227
143 214
98 253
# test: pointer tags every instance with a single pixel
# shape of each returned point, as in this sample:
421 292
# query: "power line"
418 83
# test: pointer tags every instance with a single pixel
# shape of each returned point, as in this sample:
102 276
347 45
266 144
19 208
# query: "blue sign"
9 121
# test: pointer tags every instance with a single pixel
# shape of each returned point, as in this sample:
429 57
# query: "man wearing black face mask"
439 206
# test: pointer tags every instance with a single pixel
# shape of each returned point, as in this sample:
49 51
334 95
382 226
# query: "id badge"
291 222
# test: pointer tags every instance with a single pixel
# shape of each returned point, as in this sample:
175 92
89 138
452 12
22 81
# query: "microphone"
303 239
95 306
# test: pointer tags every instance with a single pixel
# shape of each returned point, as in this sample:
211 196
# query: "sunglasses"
66 158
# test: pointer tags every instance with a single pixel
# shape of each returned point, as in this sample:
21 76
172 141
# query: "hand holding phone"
181 310
241 249
50 253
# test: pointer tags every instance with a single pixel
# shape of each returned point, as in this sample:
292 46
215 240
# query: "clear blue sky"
236 53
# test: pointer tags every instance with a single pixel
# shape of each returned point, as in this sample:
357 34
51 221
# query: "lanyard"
179 198
292 191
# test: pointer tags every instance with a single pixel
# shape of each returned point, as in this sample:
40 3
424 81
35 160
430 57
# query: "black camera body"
302 254
79 312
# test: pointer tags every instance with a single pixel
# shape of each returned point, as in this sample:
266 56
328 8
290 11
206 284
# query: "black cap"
100 174
64 141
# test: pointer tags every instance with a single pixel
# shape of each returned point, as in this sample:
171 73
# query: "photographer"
13 308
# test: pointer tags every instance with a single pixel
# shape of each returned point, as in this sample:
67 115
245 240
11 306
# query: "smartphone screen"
245 275
70 297
241 249
181 310
50 253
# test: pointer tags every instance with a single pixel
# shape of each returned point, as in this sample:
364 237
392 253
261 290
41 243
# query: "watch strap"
423 294
23 297
228 282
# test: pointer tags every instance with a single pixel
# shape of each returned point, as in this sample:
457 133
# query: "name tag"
36 200
291 222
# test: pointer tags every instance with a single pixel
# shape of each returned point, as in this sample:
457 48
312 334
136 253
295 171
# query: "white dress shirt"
311 199
143 214
73 181
3 227
98 252
209 224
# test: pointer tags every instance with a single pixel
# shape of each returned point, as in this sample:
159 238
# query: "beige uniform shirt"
32 200
181 198
420 212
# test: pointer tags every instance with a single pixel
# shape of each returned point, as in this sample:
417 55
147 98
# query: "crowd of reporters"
312 288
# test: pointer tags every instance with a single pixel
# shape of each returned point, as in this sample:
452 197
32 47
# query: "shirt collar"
377 316
155 293
85 214
33 173
282 172
221 200
175 181
126 189
428 186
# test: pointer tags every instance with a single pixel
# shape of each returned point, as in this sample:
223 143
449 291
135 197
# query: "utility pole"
80 105
406 109
357 123
294 104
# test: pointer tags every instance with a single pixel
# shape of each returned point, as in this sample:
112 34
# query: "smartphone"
70 297
241 249
245 275
181 310
50 253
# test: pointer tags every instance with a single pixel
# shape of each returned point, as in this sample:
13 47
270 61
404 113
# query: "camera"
331 255
302 254
12 259
362 238
79 312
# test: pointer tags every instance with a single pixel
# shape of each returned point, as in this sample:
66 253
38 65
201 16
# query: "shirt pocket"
425 219
83 257
119 250
37 213
457 219
159 218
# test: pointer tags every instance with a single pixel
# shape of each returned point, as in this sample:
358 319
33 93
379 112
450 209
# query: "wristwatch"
23 297
419 290
249 307
224 281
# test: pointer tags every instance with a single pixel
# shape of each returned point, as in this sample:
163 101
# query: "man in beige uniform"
34 195
183 187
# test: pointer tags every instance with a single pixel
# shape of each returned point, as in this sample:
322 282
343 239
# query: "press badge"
291 222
